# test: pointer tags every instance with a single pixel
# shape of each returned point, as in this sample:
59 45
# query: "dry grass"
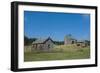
60 52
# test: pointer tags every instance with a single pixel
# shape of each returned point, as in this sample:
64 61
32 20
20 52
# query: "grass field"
61 52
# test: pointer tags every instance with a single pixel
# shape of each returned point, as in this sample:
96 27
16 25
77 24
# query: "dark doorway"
48 46
73 42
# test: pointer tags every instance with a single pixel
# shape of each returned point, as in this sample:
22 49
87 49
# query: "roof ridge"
40 40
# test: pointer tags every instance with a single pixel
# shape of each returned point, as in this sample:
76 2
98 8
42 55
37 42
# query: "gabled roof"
40 41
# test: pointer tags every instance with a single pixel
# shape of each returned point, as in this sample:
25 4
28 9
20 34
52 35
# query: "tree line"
28 41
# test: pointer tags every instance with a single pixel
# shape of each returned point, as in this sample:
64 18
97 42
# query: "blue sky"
56 25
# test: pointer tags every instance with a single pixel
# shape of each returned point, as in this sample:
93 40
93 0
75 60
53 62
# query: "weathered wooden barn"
69 40
43 44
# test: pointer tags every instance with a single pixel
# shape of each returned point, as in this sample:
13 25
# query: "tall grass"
59 52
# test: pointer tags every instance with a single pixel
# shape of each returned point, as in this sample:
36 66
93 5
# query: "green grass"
59 53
